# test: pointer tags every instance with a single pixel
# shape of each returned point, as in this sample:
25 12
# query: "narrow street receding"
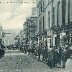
35 35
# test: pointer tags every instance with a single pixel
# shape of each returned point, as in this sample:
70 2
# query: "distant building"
29 29
10 34
1 35
34 12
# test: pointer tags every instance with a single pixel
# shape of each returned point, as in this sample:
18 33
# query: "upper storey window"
49 1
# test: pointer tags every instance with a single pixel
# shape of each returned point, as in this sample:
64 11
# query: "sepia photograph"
35 35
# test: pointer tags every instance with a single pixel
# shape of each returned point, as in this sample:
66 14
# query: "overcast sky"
13 15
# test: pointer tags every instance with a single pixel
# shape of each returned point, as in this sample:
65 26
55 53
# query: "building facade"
54 22
50 24
30 30
41 5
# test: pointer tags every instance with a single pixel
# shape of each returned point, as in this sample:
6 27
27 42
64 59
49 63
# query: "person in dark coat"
25 50
55 56
2 51
60 50
39 52
50 58
64 56
29 51
45 54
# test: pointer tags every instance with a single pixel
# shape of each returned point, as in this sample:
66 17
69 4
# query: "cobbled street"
15 61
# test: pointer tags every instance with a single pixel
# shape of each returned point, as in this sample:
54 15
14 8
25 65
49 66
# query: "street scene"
36 36
15 61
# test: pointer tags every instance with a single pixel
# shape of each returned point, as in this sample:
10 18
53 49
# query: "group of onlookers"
58 56
54 57
2 50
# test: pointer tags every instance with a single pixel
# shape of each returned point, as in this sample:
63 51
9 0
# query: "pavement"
15 61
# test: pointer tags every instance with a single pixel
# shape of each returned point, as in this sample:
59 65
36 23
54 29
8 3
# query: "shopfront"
49 39
63 39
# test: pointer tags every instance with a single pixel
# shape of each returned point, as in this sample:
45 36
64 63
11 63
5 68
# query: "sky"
13 15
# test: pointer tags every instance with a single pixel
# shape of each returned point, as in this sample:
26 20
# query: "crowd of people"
2 50
54 57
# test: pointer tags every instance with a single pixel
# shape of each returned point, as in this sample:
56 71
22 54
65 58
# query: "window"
40 25
49 19
43 5
49 1
69 9
53 22
58 10
63 11
40 8
43 23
